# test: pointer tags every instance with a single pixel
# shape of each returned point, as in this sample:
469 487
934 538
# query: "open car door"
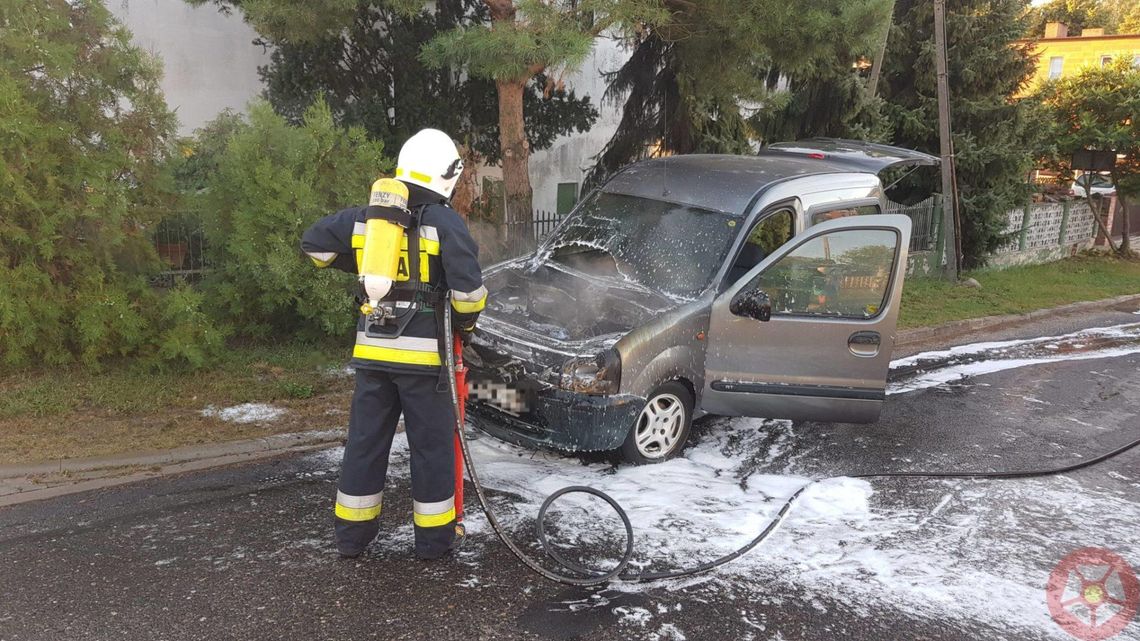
808 333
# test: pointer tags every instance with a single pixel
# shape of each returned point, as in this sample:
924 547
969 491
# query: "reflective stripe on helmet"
414 175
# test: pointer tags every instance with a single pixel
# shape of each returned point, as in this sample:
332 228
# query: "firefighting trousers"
429 421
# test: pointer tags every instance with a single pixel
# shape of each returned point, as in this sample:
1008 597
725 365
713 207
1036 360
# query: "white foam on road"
994 356
966 555
245 413
973 551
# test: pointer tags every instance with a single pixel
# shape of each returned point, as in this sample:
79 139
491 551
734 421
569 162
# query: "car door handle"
864 344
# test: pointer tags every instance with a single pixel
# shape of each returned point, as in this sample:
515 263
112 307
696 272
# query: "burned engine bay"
540 316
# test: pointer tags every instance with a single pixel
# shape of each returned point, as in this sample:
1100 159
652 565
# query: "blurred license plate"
502 396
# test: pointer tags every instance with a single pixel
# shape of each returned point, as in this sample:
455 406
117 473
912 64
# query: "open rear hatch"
858 154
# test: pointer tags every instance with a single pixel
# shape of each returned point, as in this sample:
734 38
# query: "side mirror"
752 304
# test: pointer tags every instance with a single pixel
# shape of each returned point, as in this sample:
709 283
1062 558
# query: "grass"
71 412
1017 290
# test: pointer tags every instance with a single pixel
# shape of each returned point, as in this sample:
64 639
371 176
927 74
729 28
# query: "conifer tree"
84 132
994 134
725 76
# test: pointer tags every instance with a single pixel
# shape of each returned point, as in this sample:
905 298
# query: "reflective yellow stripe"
428 248
465 307
427 232
427 245
391 355
434 520
357 513
414 175
321 263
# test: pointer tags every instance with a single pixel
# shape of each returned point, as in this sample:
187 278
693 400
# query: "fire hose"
583 576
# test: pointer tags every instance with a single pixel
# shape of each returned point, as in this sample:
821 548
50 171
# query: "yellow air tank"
383 233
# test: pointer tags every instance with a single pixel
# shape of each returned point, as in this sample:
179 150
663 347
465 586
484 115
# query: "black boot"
456 543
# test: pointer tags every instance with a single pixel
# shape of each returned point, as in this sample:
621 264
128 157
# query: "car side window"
766 236
844 273
831 214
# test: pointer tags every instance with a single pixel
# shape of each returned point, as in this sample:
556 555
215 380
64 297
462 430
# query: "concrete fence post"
1026 220
936 225
1066 207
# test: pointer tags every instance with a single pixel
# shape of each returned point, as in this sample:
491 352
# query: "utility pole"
949 193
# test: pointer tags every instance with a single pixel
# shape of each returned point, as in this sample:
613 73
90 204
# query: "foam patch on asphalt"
965 555
245 413
972 551
950 365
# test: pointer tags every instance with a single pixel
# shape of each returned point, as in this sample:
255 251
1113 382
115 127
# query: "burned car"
764 285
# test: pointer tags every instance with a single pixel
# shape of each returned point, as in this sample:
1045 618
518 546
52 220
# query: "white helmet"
429 159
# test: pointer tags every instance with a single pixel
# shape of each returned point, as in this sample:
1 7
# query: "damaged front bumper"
561 420
516 393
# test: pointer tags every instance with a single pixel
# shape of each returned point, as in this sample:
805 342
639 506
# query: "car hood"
543 313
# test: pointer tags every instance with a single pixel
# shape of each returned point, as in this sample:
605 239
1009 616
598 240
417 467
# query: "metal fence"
925 217
523 236
181 244
181 247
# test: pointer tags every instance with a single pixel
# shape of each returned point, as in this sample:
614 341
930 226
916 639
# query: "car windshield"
673 249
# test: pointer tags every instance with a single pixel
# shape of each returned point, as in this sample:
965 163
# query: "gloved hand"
465 326
465 335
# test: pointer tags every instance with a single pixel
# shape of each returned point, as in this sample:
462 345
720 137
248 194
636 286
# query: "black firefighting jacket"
448 259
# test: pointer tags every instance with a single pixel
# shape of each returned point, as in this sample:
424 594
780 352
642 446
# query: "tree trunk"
516 156
1125 241
877 65
463 197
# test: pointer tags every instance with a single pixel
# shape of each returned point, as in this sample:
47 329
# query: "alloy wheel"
660 426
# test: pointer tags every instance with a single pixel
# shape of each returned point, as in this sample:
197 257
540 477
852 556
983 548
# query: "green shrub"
84 133
271 182
183 332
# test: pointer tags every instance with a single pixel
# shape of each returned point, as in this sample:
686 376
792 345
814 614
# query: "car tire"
662 427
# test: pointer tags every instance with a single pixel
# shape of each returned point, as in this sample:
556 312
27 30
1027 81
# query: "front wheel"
662 428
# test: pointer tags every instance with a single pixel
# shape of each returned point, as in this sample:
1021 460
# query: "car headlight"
599 374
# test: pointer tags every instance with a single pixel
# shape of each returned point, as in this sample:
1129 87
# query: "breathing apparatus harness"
579 575
389 318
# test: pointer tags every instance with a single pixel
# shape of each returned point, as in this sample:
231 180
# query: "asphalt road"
245 553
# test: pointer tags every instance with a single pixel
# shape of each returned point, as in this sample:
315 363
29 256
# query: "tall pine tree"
994 134
728 75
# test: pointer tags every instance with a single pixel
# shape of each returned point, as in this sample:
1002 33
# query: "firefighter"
397 356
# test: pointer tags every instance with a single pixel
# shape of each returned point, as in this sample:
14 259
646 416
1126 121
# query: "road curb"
178 455
23 483
949 330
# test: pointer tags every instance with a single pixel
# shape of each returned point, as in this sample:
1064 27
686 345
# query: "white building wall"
211 63
569 159
571 156
209 59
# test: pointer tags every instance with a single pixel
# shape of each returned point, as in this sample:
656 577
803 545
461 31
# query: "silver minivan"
764 285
